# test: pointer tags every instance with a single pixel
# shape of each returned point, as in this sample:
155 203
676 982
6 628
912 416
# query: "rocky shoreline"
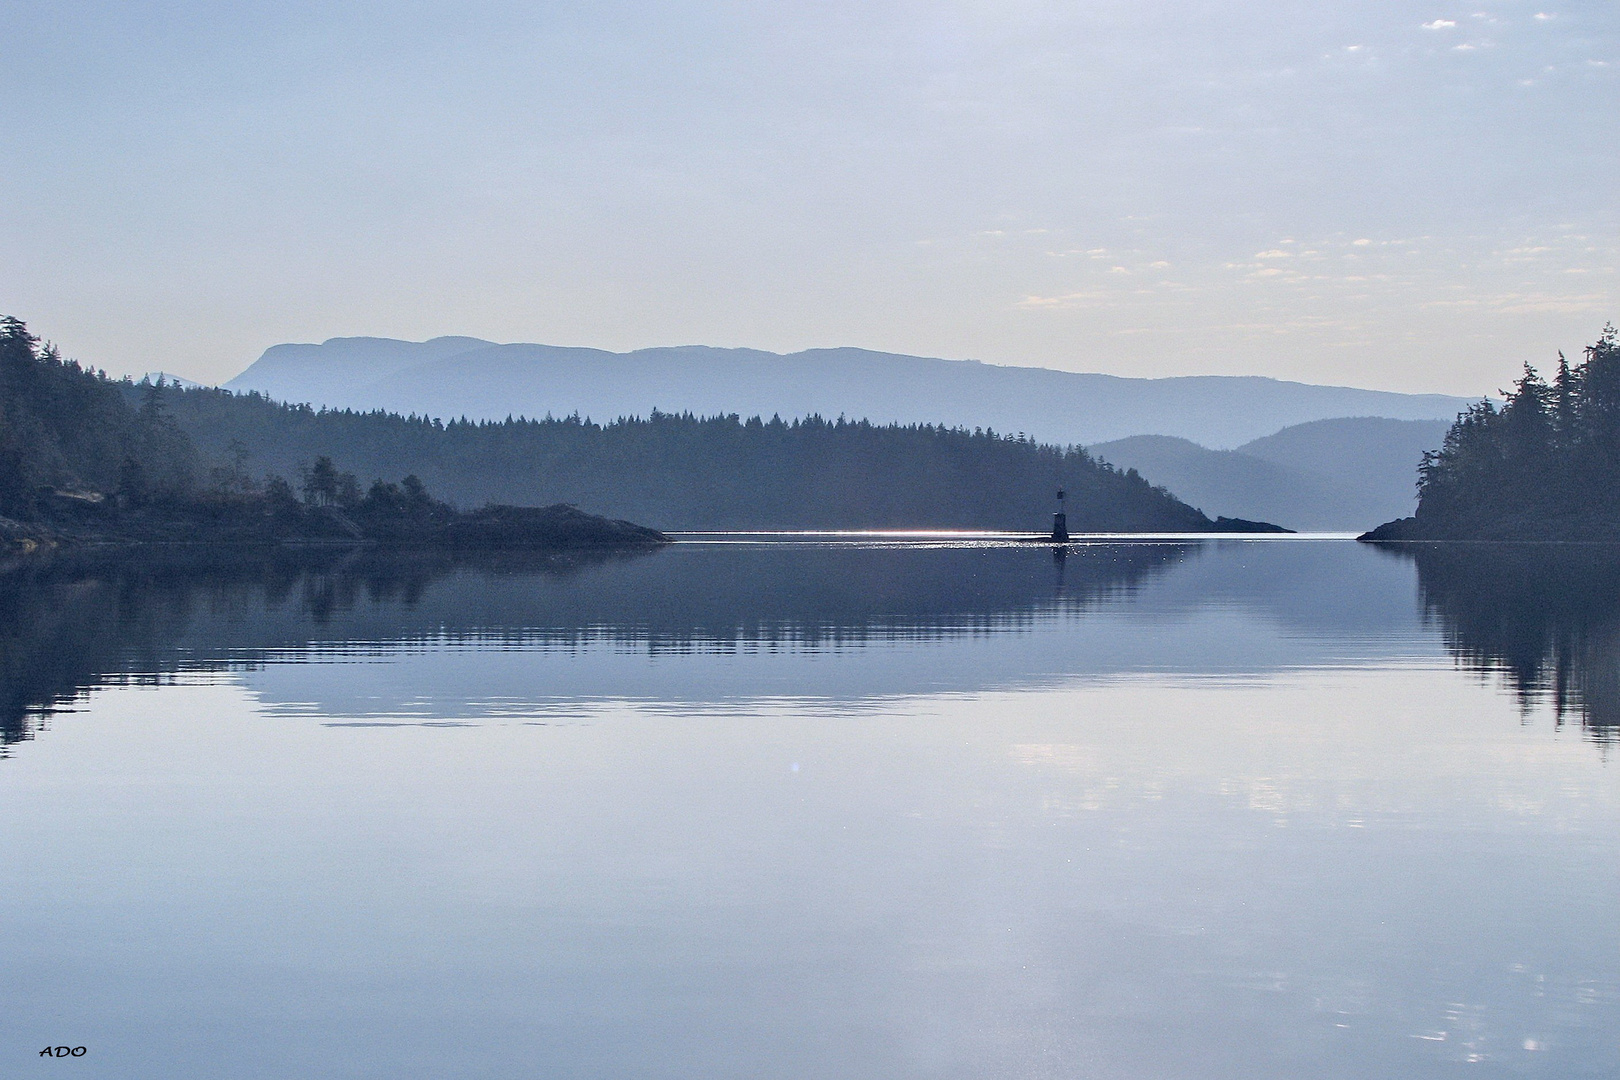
560 527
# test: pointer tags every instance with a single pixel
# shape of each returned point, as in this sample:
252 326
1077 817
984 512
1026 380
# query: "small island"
1543 467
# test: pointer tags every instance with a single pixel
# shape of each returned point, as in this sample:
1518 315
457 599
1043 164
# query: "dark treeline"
66 428
85 458
687 472
1545 466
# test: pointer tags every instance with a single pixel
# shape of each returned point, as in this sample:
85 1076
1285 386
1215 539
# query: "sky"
1397 195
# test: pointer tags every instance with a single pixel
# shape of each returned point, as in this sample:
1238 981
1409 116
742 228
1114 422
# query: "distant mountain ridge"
1326 475
460 376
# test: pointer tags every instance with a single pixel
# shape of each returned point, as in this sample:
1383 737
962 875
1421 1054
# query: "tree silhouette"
1543 466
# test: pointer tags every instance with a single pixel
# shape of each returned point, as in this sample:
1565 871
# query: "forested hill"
84 459
1545 466
685 472
79 451
63 427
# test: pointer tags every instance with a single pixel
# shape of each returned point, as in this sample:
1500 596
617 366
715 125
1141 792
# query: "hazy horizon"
1402 197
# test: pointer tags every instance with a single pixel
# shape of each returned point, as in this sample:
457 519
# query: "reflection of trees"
1545 616
73 622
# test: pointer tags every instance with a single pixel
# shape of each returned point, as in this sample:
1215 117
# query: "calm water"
1277 808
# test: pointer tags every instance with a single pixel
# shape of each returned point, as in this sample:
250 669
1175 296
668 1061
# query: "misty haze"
846 540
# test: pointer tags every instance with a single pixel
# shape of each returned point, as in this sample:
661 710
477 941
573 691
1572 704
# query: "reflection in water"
81 620
1545 616
71 623
1225 810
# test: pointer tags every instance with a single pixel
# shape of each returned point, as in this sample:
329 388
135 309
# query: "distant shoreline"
244 526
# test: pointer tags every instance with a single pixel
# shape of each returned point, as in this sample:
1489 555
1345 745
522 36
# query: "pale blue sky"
1410 196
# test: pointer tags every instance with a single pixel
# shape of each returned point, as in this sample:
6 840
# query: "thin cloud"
1063 300
1439 24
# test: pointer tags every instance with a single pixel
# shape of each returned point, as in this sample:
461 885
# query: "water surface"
832 807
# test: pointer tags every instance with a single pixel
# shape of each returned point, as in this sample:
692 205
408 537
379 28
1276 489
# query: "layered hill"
86 459
1326 475
454 377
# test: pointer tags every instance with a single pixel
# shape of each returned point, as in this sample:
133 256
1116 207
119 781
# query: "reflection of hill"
1546 616
73 623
